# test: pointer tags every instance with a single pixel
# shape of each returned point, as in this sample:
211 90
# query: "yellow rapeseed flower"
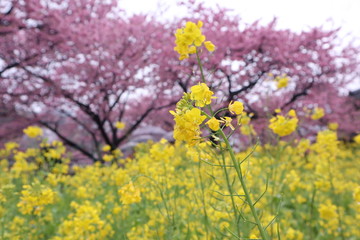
108 157
236 107
201 94
187 126
120 125
282 82
129 194
213 124
227 122
356 194
209 46
11 145
190 37
333 126
357 138
318 113
247 130
34 198
33 131
327 211
106 148
284 126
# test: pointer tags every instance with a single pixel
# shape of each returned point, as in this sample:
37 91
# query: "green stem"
231 193
262 231
200 66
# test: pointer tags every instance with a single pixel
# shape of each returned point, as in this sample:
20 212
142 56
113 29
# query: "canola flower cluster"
189 38
284 125
281 81
188 118
318 113
178 191
34 198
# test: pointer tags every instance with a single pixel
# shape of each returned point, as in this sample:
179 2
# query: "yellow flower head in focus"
318 113
183 105
201 94
189 38
284 125
120 125
187 126
33 131
227 122
213 124
236 107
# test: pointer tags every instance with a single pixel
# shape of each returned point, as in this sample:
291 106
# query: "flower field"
195 187
166 191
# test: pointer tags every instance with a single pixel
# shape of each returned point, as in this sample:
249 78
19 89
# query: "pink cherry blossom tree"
76 67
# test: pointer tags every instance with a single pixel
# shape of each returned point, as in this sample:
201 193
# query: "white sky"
293 14
296 15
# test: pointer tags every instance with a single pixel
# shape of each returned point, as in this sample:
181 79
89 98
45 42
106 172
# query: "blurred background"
104 73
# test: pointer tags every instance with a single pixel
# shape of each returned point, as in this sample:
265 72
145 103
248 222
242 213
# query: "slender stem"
200 66
231 193
262 231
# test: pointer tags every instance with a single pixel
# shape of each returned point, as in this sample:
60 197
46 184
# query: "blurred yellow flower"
34 197
33 131
108 157
282 82
318 113
356 194
209 46
328 211
129 194
120 125
106 148
357 138
333 126
284 126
